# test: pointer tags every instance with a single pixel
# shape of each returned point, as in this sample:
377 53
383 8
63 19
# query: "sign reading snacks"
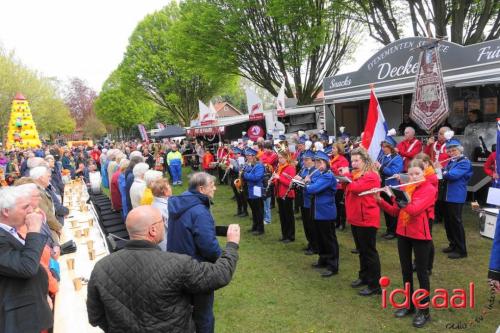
393 69
201 131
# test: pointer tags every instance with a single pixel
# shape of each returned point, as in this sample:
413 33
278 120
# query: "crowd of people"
173 244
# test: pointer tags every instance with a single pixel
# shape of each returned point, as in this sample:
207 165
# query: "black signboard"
394 67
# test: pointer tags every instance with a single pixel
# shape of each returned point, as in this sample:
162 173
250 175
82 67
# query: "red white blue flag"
375 128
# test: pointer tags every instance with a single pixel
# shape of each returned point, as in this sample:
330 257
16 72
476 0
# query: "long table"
70 311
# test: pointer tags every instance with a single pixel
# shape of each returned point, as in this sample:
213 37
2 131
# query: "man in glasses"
142 288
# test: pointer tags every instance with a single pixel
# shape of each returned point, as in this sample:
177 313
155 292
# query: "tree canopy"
168 81
49 112
465 22
268 41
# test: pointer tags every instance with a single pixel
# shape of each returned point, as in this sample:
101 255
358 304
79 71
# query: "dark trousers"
369 262
257 207
241 199
309 229
432 248
340 203
221 173
390 221
287 219
421 249
439 208
299 199
328 246
454 226
203 313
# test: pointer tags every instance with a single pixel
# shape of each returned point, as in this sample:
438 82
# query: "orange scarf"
405 217
429 171
281 167
356 174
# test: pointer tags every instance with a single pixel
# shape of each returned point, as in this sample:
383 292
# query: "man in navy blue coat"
494 271
191 231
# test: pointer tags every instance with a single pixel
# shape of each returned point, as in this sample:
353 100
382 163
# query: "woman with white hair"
138 186
149 177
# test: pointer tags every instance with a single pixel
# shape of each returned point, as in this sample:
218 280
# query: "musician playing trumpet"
253 175
285 194
309 172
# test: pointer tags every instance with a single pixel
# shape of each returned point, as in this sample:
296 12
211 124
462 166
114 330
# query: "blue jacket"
390 166
323 188
122 187
104 174
306 196
494 272
191 227
254 176
457 174
129 180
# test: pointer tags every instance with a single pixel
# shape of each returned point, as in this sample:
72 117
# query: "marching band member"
305 207
437 151
337 162
282 180
456 175
302 146
236 166
390 164
222 161
409 147
322 189
431 177
413 234
363 214
207 162
270 160
253 175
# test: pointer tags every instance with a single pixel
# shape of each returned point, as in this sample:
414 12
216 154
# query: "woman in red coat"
337 162
281 180
414 234
363 214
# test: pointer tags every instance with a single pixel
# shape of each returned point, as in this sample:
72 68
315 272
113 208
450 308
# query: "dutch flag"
375 128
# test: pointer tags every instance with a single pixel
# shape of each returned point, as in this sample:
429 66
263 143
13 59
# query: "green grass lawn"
275 289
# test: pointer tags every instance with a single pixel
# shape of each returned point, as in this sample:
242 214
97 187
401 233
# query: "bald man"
143 289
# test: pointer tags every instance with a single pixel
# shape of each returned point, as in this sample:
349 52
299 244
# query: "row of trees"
49 110
201 48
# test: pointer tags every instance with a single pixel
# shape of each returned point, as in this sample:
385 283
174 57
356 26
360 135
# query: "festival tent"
170 131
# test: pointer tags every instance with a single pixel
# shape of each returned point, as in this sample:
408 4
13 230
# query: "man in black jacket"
143 289
24 302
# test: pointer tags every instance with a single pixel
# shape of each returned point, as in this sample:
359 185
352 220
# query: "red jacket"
116 197
95 154
362 211
282 183
490 164
434 181
408 149
439 149
340 162
422 199
269 157
207 159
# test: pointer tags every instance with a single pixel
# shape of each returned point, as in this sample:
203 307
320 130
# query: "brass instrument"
239 182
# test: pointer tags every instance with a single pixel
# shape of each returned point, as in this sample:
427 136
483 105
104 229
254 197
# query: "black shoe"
370 291
456 255
400 313
309 252
329 273
389 236
358 283
318 265
384 234
355 251
257 233
421 318
429 272
448 249
237 214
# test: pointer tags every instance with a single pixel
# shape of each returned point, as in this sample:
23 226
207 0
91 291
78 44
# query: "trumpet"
238 183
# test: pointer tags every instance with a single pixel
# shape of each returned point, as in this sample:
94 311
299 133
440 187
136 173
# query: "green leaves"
49 112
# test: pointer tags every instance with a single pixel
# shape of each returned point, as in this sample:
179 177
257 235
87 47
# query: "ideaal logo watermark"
441 299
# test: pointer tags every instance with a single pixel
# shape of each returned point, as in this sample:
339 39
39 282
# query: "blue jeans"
267 210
